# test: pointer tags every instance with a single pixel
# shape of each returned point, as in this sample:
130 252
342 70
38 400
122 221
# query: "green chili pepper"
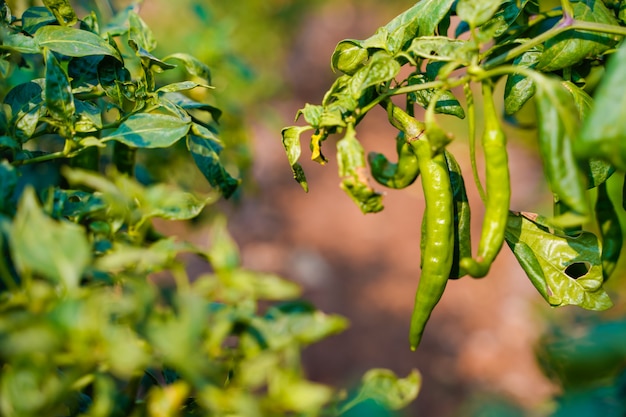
395 175
462 217
610 230
438 237
498 191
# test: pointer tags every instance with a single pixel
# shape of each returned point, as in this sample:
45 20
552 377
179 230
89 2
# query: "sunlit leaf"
565 269
150 130
385 388
74 42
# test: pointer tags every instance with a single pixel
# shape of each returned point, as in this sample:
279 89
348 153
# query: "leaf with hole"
566 270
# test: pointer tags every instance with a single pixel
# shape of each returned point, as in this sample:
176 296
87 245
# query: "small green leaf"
205 152
565 269
447 103
58 251
88 116
193 65
385 388
35 17
519 89
19 42
169 203
186 103
140 33
223 252
180 86
312 114
58 92
569 48
349 56
380 68
441 48
74 42
62 10
150 130
148 60
476 12
83 72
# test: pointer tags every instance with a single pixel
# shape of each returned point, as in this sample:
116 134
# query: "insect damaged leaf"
565 269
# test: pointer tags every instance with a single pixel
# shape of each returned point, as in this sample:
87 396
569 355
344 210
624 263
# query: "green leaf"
349 56
603 133
441 48
74 42
558 126
140 33
193 65
27 106
596 170
569 48
519 89
379 69
205 150
312 114
125 258
223 252
446 103
291 143
385 388
150 130
610 231
19 42
180 86
58 251
148 60
476 12
112 76
58 92
83 73
88 116
565 269
62 10
35 17
353 173
186 103
169 203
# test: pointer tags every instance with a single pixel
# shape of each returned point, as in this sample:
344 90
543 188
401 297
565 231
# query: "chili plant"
98 313
567 57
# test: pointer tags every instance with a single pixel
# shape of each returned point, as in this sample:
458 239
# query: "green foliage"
98 313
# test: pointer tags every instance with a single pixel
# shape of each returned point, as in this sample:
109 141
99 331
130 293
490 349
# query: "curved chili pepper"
438 237
498 190
395 175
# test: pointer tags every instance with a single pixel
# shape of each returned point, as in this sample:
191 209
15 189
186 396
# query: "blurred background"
268 59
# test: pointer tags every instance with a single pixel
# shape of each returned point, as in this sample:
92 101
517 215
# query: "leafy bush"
98 313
